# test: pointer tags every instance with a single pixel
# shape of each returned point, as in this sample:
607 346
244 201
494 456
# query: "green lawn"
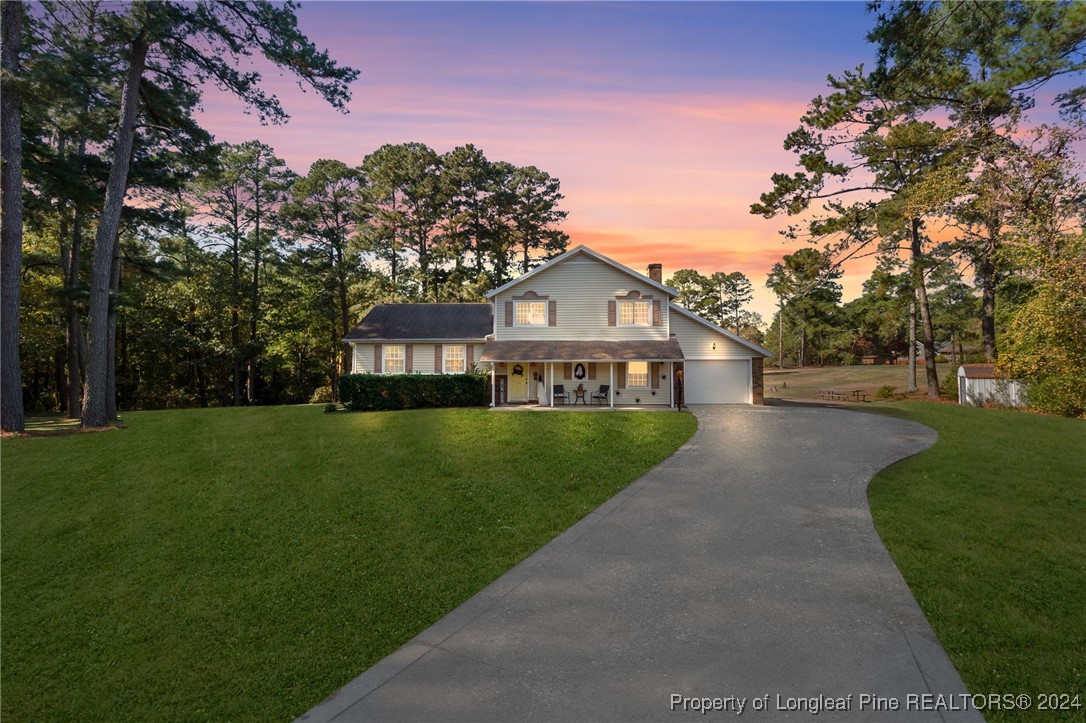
804 384
242 564
989 529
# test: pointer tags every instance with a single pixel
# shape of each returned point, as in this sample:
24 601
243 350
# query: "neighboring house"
957 352
580 319
981 384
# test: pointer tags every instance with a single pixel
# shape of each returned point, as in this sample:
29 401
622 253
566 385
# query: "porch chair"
601 395
560 394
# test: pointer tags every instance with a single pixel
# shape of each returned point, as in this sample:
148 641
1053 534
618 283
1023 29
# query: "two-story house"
580 321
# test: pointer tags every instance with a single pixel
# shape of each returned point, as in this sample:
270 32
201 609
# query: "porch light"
714 345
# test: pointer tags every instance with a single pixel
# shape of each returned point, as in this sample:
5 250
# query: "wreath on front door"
578 371
518 370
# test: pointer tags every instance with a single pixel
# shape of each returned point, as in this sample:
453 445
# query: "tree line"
154 267
924 163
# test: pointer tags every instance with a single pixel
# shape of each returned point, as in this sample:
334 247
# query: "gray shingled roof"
582 351
425 321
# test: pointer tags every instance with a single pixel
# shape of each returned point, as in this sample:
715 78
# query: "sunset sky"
663 121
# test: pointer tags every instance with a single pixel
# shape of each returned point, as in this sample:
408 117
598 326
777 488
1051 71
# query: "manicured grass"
804 384
242 564
989 529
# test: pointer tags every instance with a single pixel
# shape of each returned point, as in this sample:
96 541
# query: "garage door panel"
717 382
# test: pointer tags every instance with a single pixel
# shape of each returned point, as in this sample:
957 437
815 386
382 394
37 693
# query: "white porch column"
671 384
550 382
493 385
611 388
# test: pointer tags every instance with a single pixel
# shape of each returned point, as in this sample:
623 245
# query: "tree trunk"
75 338
780 333
344 319
11 232
925 313
910 385
122 350
986 275
111 359
254 306
96 411
60 384
69 392
235 315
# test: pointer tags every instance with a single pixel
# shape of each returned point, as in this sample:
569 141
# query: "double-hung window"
394 359
530 313
635 313
637 374
454 359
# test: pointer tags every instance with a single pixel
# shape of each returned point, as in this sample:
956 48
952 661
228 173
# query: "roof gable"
721 330
641 278
424 321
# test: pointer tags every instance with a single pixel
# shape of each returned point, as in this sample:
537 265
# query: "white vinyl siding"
394 359
361 363
422 356
635 313
455 358
977 392
697 341
581 287
530 313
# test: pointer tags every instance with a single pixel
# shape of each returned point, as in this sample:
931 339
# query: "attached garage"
718 382
720 367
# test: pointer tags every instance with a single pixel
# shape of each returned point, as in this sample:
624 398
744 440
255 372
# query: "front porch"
532 407
604 375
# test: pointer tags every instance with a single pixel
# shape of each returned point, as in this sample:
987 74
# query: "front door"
519 378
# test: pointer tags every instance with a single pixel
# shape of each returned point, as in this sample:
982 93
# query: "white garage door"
717 382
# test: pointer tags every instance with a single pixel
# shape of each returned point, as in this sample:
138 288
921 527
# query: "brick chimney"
656 273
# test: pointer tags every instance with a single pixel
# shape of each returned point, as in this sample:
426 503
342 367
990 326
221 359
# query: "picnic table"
843 395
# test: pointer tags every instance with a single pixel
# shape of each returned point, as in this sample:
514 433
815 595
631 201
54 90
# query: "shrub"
330 408
321 395
410 391
949 388
886 392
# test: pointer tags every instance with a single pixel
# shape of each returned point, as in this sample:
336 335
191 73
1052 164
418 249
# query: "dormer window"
635 313
530 313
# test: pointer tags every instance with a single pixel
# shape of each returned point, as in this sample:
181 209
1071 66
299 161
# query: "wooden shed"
981 384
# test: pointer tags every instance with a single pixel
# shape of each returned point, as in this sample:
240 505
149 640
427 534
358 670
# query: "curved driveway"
745 565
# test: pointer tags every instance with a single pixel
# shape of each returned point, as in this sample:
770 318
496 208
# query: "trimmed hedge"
409 391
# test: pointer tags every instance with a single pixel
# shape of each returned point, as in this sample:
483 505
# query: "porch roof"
573 351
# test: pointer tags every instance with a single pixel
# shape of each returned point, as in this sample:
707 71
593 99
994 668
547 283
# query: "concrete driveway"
744 570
